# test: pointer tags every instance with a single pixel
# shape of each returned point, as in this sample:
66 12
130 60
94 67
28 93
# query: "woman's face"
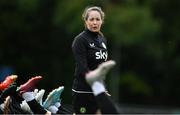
94 21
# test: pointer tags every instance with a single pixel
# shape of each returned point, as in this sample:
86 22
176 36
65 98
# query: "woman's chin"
95 30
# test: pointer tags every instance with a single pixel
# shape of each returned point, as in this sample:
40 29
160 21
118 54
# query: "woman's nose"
94 22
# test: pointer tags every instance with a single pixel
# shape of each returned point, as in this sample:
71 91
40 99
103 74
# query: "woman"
89 49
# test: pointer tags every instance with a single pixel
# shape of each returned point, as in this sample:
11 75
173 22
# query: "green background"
143 38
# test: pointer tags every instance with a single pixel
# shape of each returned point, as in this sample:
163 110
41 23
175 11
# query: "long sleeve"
80 53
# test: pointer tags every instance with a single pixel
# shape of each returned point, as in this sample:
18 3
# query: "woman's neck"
89 31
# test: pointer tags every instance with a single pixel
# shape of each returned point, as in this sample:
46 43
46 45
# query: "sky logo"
101 55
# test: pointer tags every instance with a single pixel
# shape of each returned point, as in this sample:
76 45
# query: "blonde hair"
85 14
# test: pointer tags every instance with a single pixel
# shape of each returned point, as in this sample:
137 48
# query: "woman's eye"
92 19
98 19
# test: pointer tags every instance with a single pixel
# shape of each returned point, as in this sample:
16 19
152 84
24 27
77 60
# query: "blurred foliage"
134 25
36 37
